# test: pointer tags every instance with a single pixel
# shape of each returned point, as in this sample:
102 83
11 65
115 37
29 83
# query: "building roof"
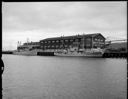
72 37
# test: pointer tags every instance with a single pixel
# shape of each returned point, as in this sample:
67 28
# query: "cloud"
28 16
63 18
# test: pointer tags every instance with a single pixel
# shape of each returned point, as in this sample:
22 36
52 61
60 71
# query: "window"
66 40
94 46
66 45
98 39
71 40
101 40
95 39
76 40
79 40
101 45
88 39
61 45
88 44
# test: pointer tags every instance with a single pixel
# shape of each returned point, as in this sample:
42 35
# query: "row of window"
65 46
68 44
98 39
56 46
57 41
99 45
45 42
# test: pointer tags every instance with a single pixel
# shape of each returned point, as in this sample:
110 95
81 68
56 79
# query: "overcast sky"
39 20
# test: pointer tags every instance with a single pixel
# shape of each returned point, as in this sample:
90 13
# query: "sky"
39 20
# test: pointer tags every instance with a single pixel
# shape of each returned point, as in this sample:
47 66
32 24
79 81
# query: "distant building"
78 42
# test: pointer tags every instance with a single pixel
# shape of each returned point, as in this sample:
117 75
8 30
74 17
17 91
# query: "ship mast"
17 43
20 43
27 41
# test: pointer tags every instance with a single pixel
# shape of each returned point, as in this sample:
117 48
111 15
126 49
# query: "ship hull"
80 55
27 53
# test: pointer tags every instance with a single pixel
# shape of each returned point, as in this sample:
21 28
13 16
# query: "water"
43 77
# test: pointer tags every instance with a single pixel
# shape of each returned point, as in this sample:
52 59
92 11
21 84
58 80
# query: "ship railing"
81 50
97 50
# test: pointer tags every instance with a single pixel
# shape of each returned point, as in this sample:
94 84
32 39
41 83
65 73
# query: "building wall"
99 41
56 44
76 42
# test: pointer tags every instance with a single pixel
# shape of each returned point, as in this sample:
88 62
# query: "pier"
45 53
115 55
105 55
7 52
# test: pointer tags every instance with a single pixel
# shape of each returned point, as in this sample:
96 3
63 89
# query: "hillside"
118 45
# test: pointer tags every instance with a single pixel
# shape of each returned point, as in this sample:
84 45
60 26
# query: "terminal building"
76 42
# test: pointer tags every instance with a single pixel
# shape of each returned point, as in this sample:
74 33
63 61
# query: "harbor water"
52 77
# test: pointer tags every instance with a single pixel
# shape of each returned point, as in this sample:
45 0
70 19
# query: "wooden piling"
115 55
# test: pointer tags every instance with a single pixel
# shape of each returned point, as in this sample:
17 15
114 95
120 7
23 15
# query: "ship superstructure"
29 48
77 45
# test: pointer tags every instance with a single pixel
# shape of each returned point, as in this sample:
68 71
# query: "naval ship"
87 45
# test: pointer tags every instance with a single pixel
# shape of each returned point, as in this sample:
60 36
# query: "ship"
87 45
28 48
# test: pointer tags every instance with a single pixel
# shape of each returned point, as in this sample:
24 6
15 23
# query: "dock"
115 55
7 52
105 55
45 54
